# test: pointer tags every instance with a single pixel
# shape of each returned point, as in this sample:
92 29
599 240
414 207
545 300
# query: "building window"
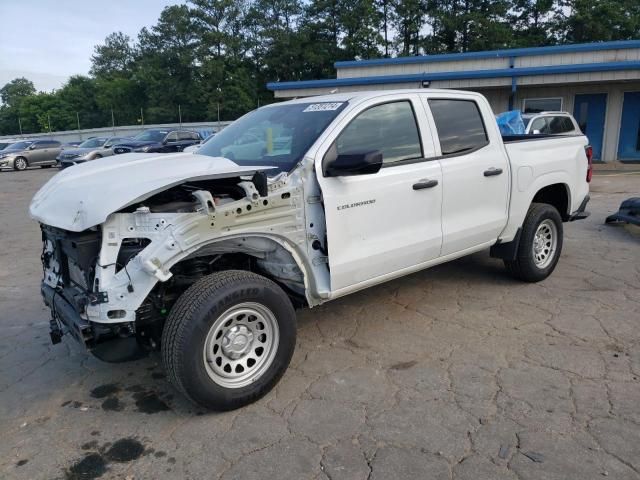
459 125
537 105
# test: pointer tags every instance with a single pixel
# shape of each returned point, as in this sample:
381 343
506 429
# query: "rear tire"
228 339
20 164
540 244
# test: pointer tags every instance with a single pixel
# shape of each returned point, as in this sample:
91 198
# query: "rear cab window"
459 125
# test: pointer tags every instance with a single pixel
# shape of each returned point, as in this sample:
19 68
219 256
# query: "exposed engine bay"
116 282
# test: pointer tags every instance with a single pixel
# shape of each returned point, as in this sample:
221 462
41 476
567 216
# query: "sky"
47 41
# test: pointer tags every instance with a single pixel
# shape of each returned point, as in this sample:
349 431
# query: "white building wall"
614 55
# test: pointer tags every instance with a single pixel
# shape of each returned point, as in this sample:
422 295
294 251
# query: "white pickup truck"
204 256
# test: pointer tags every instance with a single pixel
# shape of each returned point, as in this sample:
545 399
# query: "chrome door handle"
422 184
492 172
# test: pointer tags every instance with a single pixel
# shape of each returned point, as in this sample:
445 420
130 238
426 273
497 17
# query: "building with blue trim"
599 83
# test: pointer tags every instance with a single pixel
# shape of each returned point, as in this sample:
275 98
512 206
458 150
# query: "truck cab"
205 256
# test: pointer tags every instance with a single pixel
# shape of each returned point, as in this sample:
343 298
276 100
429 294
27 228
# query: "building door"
629 144
589 111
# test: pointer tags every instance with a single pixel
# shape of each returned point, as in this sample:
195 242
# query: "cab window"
560 125
459 124
390 128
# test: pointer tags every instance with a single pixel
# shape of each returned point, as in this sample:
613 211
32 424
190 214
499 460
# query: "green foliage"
211 59
598 20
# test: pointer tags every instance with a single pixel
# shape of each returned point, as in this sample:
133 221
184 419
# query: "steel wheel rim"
545 243
241 345
21 164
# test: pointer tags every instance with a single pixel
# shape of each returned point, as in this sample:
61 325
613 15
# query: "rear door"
382 223
52 151
171 143
39 152
475 172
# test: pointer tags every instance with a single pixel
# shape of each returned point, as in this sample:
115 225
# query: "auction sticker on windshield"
323 107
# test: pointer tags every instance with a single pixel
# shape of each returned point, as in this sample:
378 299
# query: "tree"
360 22
408 19
16 90
469 25
114 58
167 62
598 20
532 21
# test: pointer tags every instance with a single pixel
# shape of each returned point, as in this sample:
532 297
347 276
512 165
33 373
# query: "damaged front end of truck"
114 268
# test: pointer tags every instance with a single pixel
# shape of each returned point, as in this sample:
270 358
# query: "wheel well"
557 196
256 254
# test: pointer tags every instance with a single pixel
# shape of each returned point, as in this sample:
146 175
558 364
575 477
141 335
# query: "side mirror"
536 132
32 147
354 163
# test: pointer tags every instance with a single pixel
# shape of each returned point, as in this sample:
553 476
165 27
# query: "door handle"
422 184
492 172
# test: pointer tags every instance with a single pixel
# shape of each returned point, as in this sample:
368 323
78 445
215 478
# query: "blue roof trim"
461 75
513 52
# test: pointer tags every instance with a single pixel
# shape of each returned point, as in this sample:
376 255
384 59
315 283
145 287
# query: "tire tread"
173 340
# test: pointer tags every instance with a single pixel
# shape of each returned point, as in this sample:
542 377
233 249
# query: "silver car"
91 149
30 153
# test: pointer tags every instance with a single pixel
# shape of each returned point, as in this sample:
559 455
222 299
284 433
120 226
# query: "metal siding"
410 69
514 52
613 114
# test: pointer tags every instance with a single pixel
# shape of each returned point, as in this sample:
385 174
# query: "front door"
382 223
475 173
629 144
589 111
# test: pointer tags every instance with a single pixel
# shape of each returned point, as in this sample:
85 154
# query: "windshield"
4 145
92 143
151 136
273 136
18 146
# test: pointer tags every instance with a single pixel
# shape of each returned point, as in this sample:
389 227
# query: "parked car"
5 142
550 123
91 149
159 141
30 153
197 146
205 260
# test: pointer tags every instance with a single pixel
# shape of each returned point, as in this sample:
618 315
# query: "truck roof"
366 94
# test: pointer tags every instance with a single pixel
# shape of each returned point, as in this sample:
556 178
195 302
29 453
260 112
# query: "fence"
203 128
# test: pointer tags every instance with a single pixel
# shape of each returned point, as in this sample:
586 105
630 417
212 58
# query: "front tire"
540 244
20 164
228 339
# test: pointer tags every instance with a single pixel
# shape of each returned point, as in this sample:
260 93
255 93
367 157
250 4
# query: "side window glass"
539 124
172 137
390 128
459 125
559 125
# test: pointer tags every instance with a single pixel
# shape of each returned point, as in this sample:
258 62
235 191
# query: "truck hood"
84 196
